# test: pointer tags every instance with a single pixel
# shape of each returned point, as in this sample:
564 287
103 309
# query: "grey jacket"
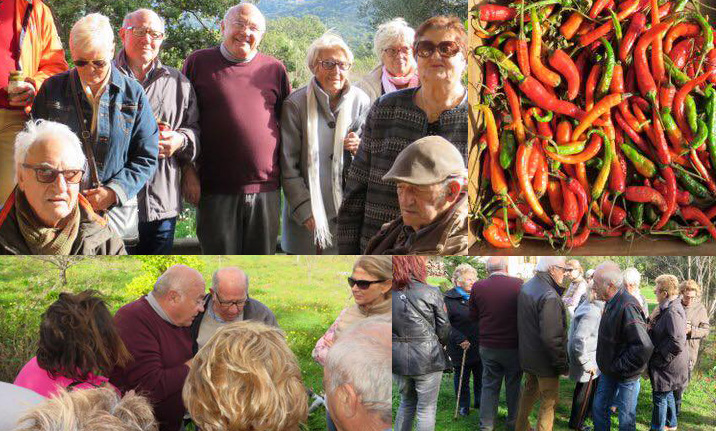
295 238
669 365
173 101
372 83
582 342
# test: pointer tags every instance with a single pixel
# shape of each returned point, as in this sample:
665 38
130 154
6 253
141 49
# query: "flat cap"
428 160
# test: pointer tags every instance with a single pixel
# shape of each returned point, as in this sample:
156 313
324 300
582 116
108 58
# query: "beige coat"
698 317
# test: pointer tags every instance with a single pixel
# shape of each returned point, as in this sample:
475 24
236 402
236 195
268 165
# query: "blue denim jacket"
127 139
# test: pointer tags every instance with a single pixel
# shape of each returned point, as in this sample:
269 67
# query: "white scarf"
389 80
322 235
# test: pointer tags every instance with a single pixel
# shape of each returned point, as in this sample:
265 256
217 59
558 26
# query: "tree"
413 11
62 263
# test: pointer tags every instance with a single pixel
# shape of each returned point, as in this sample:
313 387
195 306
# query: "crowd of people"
228 134
219 360
593 327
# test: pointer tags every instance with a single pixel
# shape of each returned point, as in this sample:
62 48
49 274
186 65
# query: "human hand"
101 198
351 143
169 143
190 185
23 95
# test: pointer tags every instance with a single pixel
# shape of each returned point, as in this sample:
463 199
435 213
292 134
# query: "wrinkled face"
331 70
421 205
573 272
92 74
557 272
229 300
374 293
143 48
332 401
398 58
53 201
436 68
466 280
689 297
242 31
188 305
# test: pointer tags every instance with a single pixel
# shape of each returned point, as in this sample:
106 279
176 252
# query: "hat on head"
428 160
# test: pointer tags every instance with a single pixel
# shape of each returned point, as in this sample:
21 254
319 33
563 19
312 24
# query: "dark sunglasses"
446 49
49 175
362 284
96 63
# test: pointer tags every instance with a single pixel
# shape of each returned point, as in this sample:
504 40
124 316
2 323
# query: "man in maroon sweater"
155 329
239 93
493 302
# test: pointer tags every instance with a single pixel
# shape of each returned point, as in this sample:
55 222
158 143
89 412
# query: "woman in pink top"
79 345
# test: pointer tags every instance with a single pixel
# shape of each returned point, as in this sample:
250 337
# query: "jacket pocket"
127 116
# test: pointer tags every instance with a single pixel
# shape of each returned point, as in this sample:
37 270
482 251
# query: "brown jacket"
445 236
699 319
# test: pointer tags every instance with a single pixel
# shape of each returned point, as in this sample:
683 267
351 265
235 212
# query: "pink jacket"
37 379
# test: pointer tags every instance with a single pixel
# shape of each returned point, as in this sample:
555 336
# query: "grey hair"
89 410
496 263
93 31
631 276
544 263
390 32
369 373
39 130
172 280
462 269
130 16
215 277
610 276
327 40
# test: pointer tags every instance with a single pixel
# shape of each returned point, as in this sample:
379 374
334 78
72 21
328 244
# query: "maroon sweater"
159 350
493 301
239 109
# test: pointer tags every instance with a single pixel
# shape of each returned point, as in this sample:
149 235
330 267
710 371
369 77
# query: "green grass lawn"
698 409
305 293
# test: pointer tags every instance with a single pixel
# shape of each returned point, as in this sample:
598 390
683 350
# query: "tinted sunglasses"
96 63
362 284
446 49
49 175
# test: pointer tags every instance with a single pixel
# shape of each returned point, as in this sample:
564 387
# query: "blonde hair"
667 283
328 40
378 266
687 285
93 31
461 270
91 410
246 378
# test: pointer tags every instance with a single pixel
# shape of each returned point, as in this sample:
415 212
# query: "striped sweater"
393 123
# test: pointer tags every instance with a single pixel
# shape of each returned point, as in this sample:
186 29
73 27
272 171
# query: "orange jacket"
41 53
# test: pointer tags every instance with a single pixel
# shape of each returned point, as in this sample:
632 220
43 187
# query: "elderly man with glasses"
46 214
228 301
174 105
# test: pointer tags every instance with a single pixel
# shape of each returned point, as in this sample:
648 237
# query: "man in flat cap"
431 180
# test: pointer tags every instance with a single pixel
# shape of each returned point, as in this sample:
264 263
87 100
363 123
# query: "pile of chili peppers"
596 118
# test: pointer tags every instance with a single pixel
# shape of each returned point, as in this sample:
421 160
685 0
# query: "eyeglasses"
99 64
393 52
446 49
332 64
47 175
243 25
240 303
362 284
143 31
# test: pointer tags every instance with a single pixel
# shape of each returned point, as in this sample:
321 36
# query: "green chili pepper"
606 80
496 56
697 240
636 212
650 214
545 118
706 32
691 115
617 26
642 164
691 184
701 134
680 5
710 94
677 75
594 163
508 149
566 150
609 153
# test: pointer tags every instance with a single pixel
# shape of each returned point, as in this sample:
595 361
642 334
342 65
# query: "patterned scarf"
46 240
391 83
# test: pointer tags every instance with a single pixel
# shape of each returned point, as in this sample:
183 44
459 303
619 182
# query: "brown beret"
428 160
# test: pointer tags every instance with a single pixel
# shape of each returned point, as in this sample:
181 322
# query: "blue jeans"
625 402
664 411
156 237
418 400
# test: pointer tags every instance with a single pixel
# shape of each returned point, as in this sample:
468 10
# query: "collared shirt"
158 308
95 98
213 315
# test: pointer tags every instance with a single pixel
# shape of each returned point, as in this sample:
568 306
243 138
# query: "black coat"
542 326
420 330
462 328
669 365
623 346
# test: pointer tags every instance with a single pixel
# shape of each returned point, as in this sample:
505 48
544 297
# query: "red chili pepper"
564 132
580 171
562 62
666 95
657 59
547 76
635 137
636 27
569 28
581 195
601 31
645 80
597 7
615 214
493 12
617 176
658 138
523 56
539 183
514 101
683 197
570 209
536 92
681 52
617 84
701 169
523 153
692 213
645 195
554 193
681 29
604 105
711 212
492 78
580 239
679 102
497 237
591 85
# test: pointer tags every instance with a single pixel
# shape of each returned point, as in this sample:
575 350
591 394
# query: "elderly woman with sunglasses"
320 124
437 107
370 284
46 214
110 112
393 45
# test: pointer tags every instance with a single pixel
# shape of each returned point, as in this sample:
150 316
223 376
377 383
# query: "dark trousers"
156 237
476 371
238 224
583 393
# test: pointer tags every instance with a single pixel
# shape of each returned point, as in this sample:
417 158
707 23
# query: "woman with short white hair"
320 124
397 70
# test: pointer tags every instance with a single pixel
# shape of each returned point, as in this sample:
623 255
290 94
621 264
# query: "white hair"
93 31
369 373
39 130
611 275
328 40
544 263
244 5
391 32
631 276
461 270
130 16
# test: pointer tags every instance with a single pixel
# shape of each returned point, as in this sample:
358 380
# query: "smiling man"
46 214
240 93
431 178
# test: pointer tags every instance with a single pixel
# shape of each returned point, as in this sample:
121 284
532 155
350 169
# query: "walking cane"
459 388
582 410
